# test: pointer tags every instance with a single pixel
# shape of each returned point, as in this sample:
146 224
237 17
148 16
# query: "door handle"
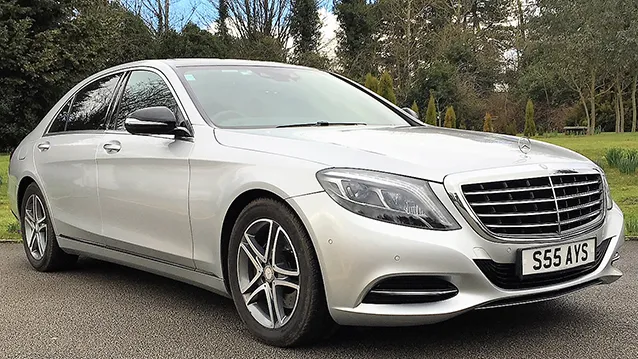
112 147
44 146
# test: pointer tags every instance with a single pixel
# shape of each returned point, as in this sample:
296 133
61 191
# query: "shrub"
601 163
628 162
450 118
372 82
430 114
631 225
487 123
613 156
510 128
530 125
415 108
462 124
386 88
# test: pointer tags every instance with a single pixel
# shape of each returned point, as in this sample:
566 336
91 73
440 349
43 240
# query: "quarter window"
91 104
59 123
143 89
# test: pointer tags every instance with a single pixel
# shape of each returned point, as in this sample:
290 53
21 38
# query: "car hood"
426 152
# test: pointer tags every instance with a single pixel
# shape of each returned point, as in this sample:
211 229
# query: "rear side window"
91 104
143 89
59 123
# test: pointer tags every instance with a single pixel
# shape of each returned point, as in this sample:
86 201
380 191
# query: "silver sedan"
306 198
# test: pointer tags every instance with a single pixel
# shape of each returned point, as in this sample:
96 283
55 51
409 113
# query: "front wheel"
274 276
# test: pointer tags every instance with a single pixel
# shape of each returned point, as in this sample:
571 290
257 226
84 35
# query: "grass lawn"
624 188
8 224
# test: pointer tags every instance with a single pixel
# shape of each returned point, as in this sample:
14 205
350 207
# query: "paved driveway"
102 310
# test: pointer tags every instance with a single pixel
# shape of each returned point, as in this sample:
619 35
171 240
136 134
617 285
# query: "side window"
143 89
59 123
91 104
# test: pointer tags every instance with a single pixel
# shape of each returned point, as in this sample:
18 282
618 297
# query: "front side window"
91 104
143 89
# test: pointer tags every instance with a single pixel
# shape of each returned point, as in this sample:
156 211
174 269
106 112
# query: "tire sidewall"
307 277
46 257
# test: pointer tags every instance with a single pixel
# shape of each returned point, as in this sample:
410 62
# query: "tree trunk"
617 99
592 99
633 103
622 110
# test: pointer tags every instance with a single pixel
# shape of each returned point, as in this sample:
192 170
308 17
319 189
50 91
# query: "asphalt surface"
102 310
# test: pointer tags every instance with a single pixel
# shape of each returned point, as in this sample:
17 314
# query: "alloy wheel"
35 227
268 273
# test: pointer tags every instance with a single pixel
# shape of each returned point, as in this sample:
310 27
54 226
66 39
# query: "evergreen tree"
222 19
356 36
487 123
450 118
430 114
372 82
530 125
415 108
304 29
386 88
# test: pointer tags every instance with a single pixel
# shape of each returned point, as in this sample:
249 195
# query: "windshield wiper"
323 123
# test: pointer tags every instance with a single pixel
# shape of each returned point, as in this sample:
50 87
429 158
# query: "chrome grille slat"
502 203
582 206
537 206
584 194
506 190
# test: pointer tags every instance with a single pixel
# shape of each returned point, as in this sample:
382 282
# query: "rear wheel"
38 236
274 276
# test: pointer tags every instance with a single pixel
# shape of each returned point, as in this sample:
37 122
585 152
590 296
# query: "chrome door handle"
44 146
112 147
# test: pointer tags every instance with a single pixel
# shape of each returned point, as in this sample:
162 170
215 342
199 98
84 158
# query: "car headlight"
608 201
386 197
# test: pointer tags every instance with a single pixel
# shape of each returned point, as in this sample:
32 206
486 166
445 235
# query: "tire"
303 316
51 257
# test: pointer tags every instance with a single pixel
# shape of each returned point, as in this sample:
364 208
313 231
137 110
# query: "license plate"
555 258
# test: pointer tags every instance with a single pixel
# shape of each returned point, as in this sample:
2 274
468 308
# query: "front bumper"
355 252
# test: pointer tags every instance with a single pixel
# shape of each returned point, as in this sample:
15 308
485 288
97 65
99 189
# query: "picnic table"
578 130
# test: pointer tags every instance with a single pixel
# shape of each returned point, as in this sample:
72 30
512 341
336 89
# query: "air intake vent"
537 206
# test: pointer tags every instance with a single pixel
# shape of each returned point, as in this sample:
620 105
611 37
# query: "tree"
386 88
357 37
462 124
530 125
304 29
372 82
415 108
450 118
487 123
430 114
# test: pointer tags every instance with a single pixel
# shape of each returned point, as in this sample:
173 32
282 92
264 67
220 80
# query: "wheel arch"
22 187
238 204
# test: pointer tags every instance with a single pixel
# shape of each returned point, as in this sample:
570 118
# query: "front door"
143 180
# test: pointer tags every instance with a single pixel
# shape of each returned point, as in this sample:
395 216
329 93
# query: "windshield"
271 97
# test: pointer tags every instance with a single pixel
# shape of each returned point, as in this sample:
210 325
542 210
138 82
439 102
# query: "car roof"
187 62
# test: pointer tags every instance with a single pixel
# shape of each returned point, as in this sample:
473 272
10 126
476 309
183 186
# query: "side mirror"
411 112
159 120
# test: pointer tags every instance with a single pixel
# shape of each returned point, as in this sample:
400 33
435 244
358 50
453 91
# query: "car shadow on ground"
476 328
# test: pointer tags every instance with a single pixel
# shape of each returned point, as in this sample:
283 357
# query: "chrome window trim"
453 183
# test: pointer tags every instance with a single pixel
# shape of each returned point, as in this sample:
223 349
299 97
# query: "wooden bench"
577 130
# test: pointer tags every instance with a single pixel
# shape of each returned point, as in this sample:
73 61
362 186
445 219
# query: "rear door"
143 180
65 159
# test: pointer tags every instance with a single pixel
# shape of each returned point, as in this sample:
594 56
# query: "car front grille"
548 205
504 275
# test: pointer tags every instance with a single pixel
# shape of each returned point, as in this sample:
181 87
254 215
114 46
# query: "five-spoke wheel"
38 236
274 276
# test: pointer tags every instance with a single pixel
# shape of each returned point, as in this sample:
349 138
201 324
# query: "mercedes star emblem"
525 145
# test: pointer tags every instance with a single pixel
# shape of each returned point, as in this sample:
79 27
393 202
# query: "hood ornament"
525 145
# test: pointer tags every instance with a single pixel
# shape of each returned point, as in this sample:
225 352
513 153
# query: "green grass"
624 187
9 228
